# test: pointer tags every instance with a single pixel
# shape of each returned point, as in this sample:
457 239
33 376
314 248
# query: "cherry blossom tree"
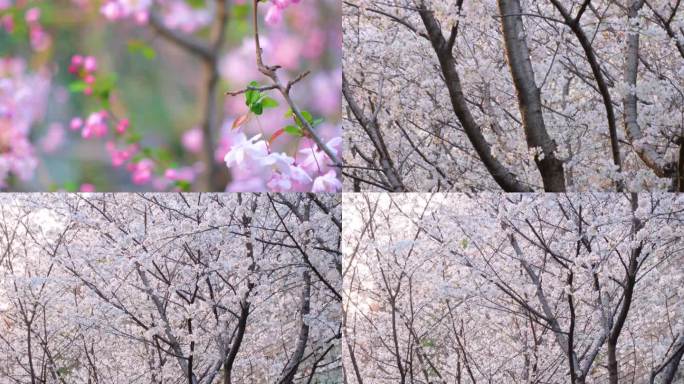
530 288
518 95
193 288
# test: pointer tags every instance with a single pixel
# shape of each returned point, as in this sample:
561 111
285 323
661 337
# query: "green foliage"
293 130
183 185
298 130
133 137
141 48
196 3
77 86
257 101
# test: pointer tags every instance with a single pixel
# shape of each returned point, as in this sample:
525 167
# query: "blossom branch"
271 73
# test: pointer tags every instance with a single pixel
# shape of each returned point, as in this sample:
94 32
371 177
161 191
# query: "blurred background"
150 88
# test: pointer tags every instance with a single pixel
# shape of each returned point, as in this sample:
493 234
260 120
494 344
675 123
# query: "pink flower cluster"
177 14
84 68
122 9
256 168
275 13
99 124
23 100
39 38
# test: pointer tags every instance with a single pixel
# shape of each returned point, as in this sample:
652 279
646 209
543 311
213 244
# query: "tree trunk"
529 97
666 372
503 177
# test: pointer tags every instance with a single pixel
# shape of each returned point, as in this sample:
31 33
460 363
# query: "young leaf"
77 86
269 102
257 108
240 120
275 135
307 117
293 130
252 95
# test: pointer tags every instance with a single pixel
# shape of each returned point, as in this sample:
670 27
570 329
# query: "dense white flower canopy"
516 288
170 288
519 95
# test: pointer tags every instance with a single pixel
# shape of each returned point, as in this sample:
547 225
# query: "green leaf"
71 186
464 243
293 130
141 48
269 102
252 95
317 122
165 157
77 86
104 84
307 117
134 137
257 108
183 185
196 3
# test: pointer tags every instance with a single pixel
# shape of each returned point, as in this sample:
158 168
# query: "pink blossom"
253 184
180 15
90 64
111 11
77 60
142 171
299 175
274 15
120 156
40 40
122 126
76 124
118 9
86 187
279 183
32 15
280 162
327 183
142 17
23 98
180 174
315 160
294 178
192 140
95 126
246 153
